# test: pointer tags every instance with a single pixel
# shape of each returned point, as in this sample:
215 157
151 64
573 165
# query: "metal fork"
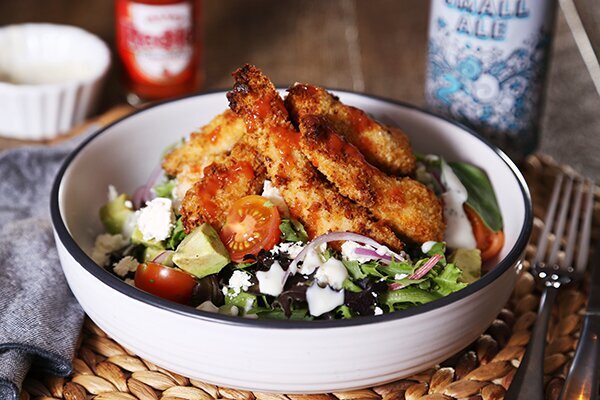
554 271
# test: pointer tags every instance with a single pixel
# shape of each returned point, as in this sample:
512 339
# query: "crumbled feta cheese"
239 281
125 265
271 281
156 220
332 273
289 248
106 244
321 300
112 193
398 277
349 252
130 224
130 282
249 304
274 195
427 246
128 204
208 306
377 311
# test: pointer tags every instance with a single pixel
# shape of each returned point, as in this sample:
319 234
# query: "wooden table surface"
375 46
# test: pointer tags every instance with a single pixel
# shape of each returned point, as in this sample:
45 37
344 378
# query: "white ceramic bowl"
50 78
274 356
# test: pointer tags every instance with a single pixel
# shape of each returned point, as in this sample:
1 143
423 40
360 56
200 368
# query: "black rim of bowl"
109 279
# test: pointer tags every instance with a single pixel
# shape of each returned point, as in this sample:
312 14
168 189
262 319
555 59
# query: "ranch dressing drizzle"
321 300
459 234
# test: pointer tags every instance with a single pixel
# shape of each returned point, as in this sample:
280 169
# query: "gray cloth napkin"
40 320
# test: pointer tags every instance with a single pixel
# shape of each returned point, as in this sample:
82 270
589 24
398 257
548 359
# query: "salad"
262 258
264 266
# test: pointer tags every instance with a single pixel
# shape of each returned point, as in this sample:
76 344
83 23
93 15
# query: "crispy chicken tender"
311 199
240 174
386 148
409 207
209 144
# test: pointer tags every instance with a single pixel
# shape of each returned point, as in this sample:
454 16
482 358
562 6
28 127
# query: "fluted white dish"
50 78
274 356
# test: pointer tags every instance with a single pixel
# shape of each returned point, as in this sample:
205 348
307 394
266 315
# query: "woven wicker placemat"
484 370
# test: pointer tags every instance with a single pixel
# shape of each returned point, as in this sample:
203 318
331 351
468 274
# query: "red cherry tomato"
252 224
166 282
489 242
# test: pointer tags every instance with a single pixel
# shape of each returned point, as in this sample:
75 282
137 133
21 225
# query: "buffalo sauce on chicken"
214 182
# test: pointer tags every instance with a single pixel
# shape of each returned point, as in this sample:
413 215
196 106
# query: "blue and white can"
486 67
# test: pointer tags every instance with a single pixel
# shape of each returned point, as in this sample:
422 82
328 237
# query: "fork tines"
573 194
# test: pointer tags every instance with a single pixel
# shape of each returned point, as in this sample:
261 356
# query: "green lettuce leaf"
292 231
177 236
447 280
481 193
410 294
165 189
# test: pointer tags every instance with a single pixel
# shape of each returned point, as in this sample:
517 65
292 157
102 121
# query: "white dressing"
459 234
332 273
427 246
321 300
271 281
312 260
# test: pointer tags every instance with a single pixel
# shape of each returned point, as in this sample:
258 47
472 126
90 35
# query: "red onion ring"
331 237
421 272
144 193
361 251
162 256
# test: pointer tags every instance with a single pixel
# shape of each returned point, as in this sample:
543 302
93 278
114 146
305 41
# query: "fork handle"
528 382
582 381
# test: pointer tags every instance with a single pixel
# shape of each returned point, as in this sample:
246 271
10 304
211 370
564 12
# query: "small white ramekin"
50 78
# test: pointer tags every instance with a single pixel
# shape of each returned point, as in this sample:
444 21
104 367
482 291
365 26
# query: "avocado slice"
469 262
137 237
201 253
114 214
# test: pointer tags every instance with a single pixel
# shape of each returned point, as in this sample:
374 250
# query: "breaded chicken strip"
386 148
240 174
210 144
409 207
311 199
205 145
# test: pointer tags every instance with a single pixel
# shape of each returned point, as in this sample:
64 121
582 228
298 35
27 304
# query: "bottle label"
159 39
486 63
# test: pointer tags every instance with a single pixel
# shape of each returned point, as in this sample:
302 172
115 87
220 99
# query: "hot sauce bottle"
160 48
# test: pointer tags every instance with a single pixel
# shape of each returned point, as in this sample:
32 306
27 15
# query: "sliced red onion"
162 256
331 237
421 272
361 251
152 181
425 268
137 198
144 193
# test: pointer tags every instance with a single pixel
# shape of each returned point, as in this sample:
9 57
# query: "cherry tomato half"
489 242
166 282
252 224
